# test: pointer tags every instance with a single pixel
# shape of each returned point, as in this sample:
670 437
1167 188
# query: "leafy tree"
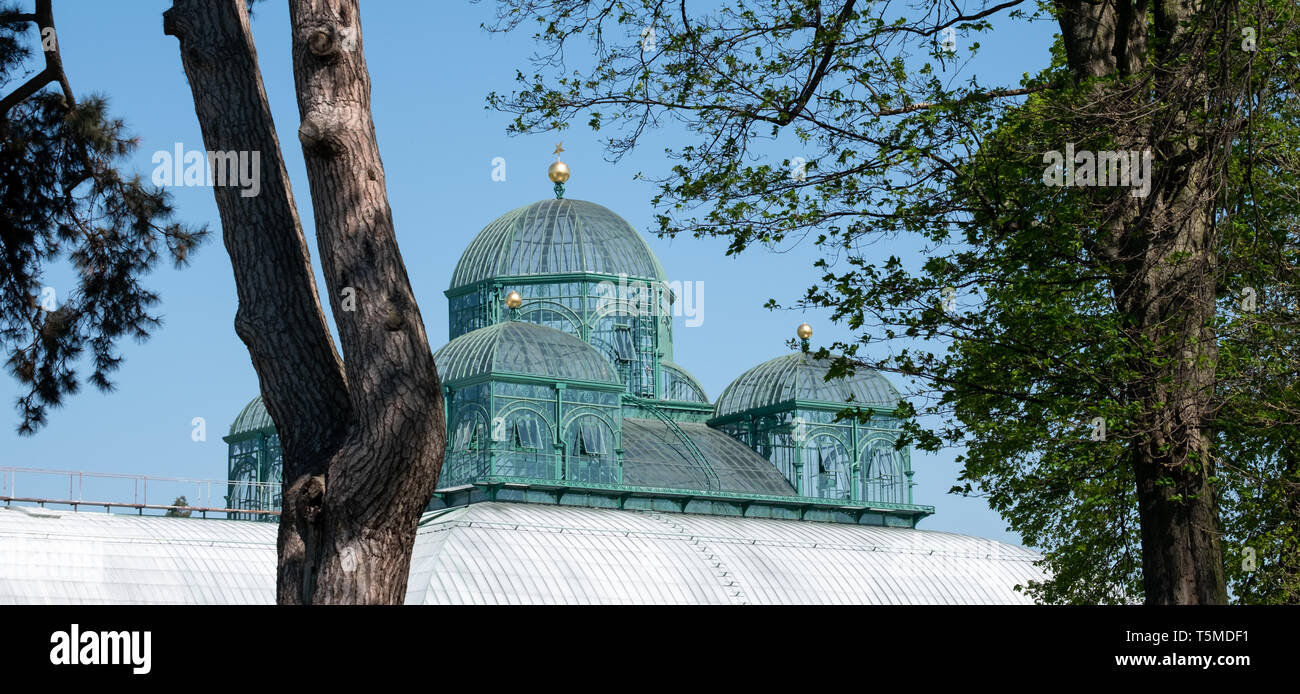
1087 345
362 436
65 199
179 502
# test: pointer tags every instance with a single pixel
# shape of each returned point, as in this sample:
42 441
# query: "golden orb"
513 300
558 172
804 331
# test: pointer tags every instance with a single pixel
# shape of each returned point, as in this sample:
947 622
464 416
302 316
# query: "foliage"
177 512
65 199
900 139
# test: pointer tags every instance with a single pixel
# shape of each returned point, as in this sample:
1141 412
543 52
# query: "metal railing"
108 490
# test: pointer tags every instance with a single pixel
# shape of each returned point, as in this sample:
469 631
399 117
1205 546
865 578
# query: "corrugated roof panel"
499 553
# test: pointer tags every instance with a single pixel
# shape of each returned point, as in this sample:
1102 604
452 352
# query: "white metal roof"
505 553
54 556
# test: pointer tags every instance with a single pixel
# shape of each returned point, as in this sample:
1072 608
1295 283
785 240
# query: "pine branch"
53 71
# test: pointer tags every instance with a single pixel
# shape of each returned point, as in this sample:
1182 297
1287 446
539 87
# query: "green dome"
800 376
557 237
516 347
252 419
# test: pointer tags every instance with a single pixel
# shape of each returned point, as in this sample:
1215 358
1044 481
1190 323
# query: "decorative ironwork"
254 464
559 371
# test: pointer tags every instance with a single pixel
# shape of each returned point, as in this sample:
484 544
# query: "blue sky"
431 66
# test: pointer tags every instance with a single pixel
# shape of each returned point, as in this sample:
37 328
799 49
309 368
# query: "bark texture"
1164 246
363 438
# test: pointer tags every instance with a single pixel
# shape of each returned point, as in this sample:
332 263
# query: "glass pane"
623 348
593 438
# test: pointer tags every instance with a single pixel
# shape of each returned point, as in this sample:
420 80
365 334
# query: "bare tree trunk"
385 472
362 439
1166 247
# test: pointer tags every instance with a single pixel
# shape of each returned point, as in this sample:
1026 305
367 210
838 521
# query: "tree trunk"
390 461
1171 300
362 439
1165 247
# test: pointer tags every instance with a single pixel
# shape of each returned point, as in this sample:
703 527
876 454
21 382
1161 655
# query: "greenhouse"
583 465
560 388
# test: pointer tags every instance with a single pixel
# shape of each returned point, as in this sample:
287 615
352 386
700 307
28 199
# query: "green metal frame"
559 434
771 432
584 311
567 403
504 488
254 467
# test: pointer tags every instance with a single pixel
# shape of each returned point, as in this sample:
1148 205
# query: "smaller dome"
801 377
517 347
252 419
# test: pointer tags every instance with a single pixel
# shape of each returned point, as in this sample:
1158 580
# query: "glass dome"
252 419
517 347
556 237
802 377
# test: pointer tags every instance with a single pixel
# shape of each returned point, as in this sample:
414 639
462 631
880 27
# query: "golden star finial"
559 147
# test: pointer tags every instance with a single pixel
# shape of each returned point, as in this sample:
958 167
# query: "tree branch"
280 317
819 72
53 72
995 94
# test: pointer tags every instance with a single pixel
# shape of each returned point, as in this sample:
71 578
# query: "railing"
109 491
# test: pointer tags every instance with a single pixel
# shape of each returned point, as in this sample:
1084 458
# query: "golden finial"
558 172
804 331
513 300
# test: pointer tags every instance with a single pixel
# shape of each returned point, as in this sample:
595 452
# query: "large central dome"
555 237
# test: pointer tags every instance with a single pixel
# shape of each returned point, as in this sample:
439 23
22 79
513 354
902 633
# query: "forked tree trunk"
1166 247
362 439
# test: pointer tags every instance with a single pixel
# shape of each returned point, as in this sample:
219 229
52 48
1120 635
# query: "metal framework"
628 320
531 401
571 387
790 413
254 464
579 268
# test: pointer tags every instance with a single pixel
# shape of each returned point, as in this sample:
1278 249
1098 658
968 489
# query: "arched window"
882 473
552 315
828 463
589 445
467 455
522 444
468 434
675 384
